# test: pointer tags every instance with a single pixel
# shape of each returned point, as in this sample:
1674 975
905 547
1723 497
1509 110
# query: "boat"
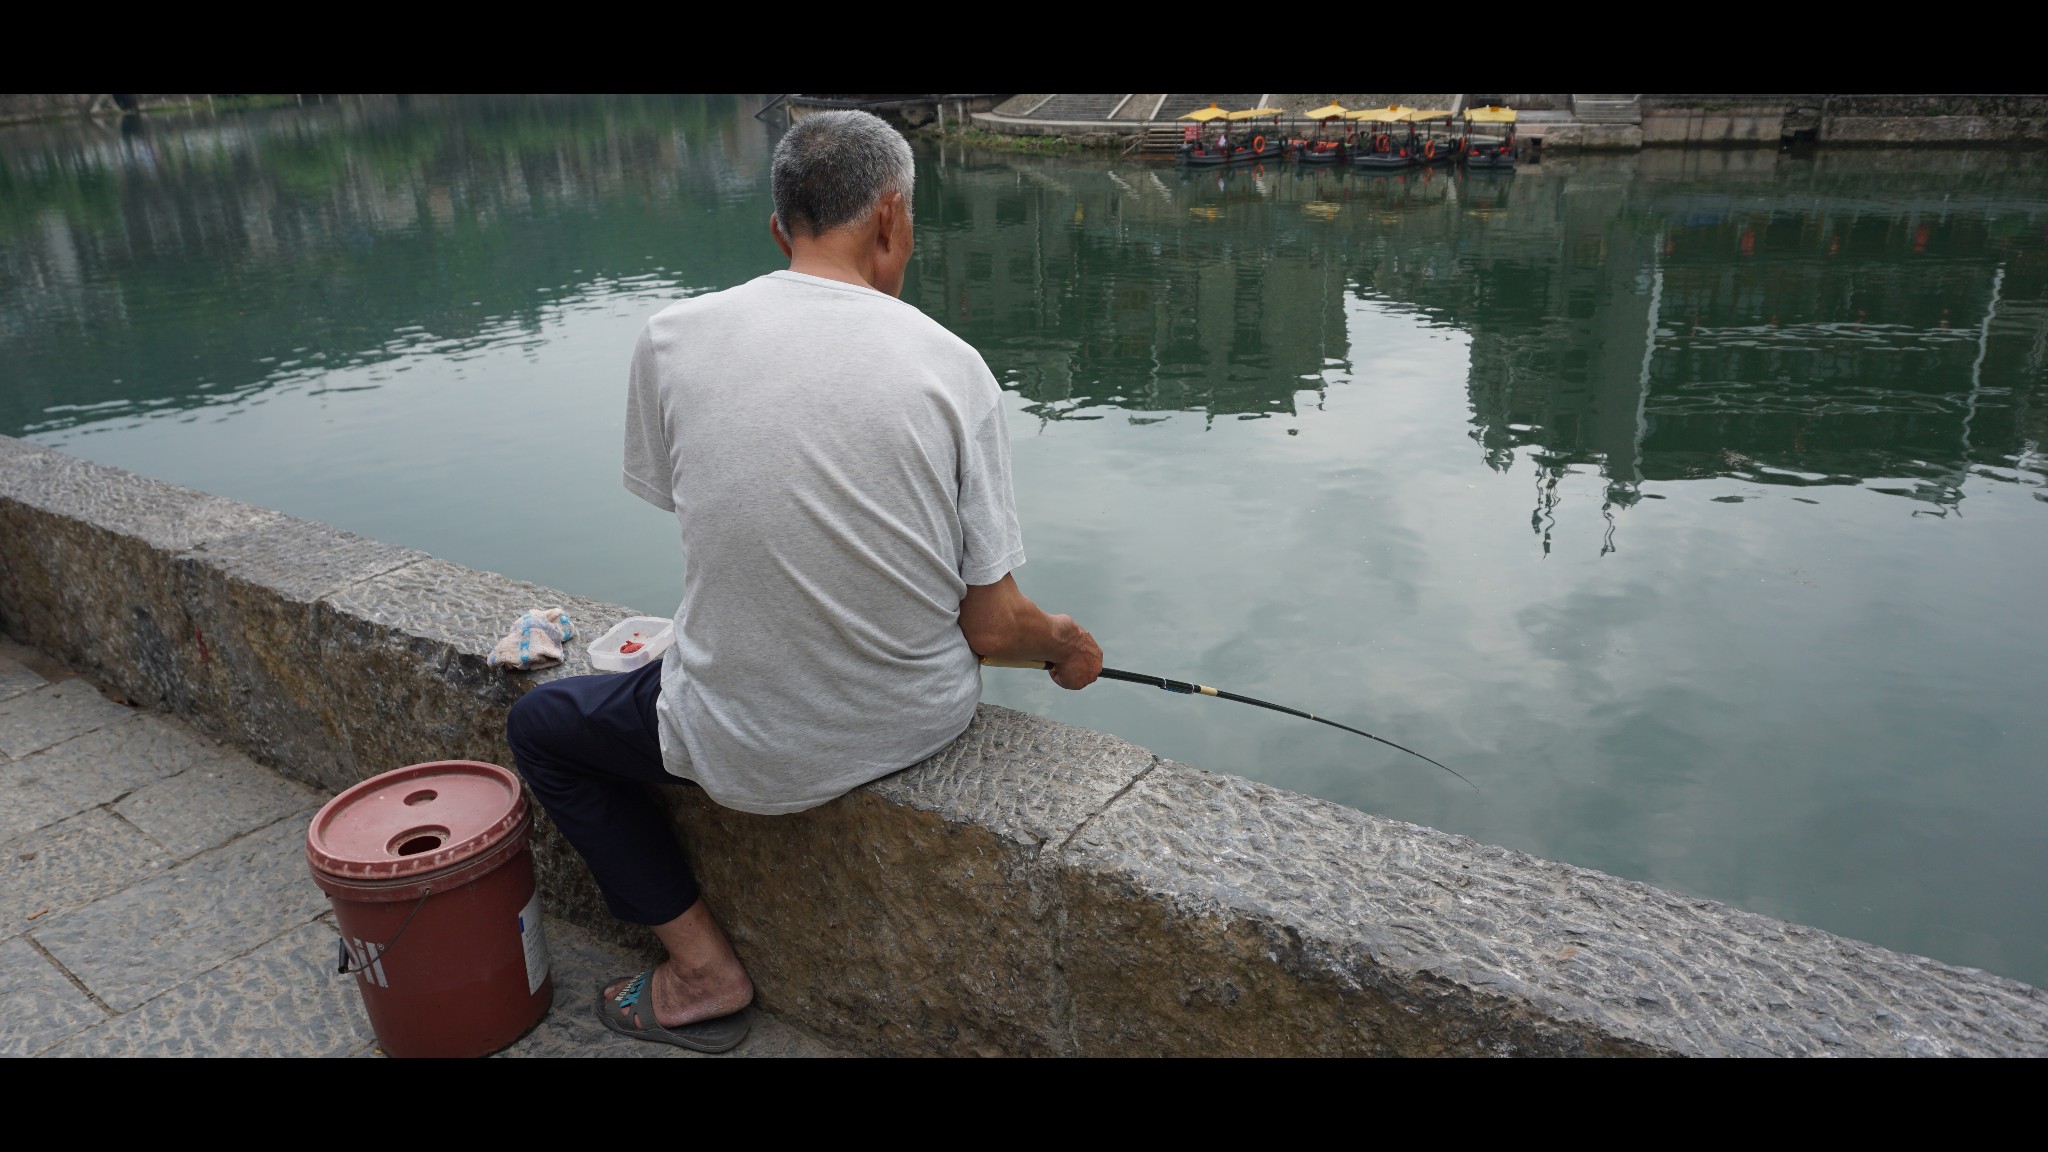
1384 139
1488 152
1229 145
1196 152
1436 140
1261 145
1319 150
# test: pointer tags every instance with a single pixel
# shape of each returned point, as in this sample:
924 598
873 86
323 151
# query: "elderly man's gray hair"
831 167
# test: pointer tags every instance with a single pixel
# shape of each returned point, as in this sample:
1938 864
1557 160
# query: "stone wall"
1034 889
1938 119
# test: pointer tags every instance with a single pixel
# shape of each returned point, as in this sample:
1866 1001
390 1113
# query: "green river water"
1693 504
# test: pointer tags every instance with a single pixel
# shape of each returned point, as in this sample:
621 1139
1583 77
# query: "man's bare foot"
701 979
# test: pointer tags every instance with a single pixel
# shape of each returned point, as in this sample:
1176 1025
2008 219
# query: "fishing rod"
1186 689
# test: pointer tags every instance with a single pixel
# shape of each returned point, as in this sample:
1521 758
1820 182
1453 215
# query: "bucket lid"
411 821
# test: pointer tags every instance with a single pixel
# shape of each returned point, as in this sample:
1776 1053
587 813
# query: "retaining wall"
1035 888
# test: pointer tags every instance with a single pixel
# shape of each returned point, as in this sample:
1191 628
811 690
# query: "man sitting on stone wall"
840 467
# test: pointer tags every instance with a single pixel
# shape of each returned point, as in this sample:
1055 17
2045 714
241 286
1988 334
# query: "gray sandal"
631 1013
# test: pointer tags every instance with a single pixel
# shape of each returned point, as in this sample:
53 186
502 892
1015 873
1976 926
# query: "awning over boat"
1491 114
1254 113
1327 112
1391 114
1204 115
1414 114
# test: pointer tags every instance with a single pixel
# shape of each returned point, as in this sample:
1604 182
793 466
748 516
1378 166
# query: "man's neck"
843 254
816 264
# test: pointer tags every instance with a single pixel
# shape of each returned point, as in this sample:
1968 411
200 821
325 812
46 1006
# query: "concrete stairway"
1079 106
1606 108
1182 103
1158 138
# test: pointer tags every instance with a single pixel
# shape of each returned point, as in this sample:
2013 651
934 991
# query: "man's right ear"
781 239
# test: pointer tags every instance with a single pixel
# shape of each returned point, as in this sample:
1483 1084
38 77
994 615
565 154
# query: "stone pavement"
154 899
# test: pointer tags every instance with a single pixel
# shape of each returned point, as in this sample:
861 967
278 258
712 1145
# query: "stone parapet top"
1034 888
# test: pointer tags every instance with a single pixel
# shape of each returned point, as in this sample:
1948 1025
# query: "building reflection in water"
1848 318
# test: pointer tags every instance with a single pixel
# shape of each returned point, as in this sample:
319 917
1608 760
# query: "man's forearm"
1002 623
1036 635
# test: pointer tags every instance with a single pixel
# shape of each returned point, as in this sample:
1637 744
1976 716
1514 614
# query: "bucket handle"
341 943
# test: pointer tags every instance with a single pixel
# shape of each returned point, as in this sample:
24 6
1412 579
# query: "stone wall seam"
1107 805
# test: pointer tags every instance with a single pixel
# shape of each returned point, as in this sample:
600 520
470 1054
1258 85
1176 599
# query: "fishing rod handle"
992 662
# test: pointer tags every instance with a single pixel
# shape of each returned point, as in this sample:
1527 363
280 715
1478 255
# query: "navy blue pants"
588 747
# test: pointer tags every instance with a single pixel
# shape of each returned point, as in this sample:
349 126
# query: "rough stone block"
415 641
70 864
107 763
263 677
98 589
12 449
282 999
53 714
38 1006
941 932
1210 915
146 939
209 805
14 679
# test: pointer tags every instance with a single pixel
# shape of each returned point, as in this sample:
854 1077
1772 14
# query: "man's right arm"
1000 622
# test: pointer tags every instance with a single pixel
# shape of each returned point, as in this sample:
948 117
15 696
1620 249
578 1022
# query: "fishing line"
1185 688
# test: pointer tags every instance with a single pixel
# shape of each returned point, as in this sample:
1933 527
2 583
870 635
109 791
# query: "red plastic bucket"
432 883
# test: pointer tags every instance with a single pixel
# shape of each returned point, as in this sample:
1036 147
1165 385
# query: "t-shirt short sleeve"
992 542
649 470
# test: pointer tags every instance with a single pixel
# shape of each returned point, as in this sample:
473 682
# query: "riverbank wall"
1562 122
1034 889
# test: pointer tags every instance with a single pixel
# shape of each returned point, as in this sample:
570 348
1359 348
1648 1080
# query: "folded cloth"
535 641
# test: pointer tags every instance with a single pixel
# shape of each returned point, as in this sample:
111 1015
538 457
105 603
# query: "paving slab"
26 804
107 763
581 962
211 804
38 1006
15 679
137 943
70 864
282 999
38 718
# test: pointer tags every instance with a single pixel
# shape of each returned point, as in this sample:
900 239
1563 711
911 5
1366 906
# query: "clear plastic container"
648 636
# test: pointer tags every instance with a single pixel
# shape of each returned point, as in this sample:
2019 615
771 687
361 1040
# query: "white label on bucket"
535 942
365 958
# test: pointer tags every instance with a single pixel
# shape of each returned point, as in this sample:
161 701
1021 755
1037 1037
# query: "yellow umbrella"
1392 113
1204 115
1415 114
1254 113
1491 114
1327 112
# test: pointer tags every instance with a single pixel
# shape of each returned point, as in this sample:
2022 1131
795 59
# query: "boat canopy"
1414 115
1327 112
1491 114
1391 114
1204 115
1253 113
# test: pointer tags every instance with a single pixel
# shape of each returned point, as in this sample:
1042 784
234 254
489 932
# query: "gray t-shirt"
840 467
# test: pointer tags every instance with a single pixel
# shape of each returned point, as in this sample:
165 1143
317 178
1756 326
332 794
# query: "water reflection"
198 262
1776 319
1815 323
